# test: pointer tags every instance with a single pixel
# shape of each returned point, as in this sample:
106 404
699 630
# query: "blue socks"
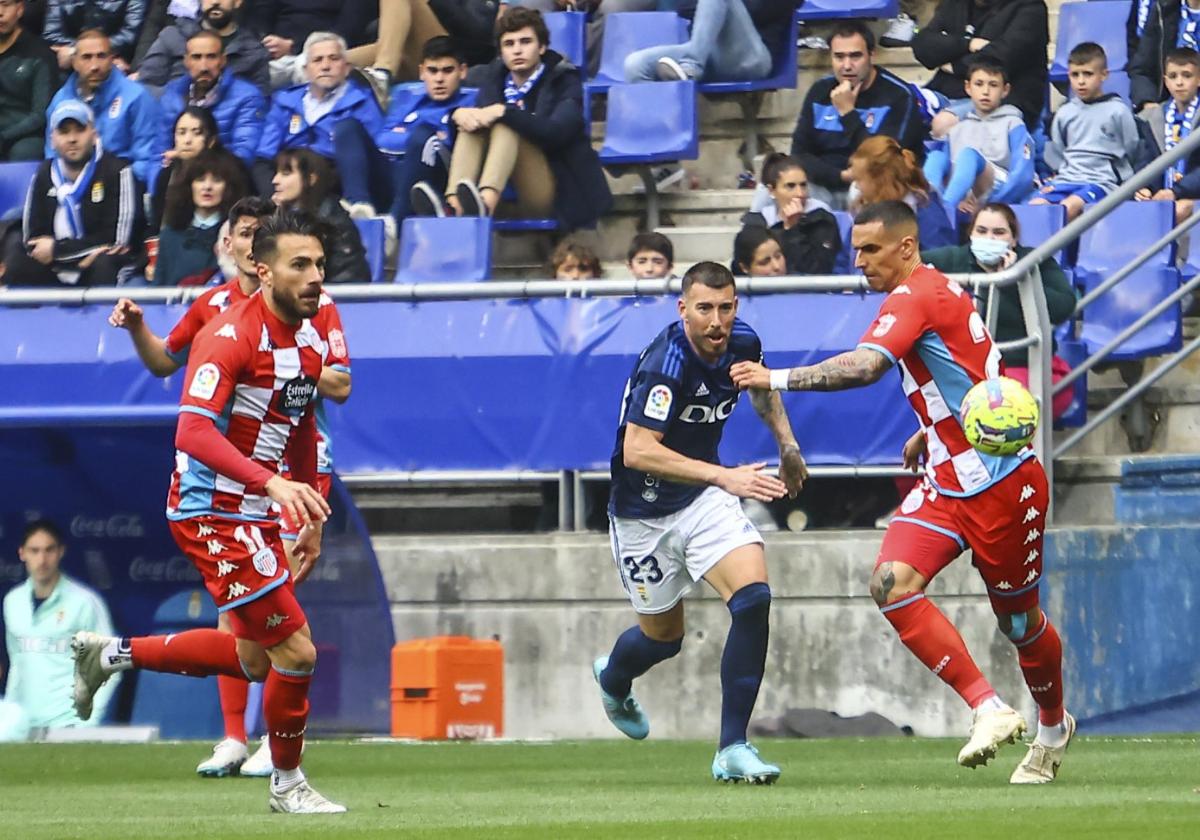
968 166
634 654
744 659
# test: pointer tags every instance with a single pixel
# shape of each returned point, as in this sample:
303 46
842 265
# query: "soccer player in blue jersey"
675 517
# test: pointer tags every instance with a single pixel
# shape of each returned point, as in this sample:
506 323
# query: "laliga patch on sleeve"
204 383
658 403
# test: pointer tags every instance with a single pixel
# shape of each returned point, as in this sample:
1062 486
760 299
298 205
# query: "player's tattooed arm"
859 367
792 469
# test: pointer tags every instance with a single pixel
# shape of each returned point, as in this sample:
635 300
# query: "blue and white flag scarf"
1178 127
70 193
1189 24
514 95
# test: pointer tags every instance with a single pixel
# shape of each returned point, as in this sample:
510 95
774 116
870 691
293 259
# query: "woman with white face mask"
995 246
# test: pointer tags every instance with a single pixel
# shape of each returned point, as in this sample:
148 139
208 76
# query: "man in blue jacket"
235 103
327 115
127 116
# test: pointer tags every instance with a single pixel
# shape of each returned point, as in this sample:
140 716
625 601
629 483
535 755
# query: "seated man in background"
284 25
82 212
66 20
41 615
235 103
329 116
245 55
29 74
127 116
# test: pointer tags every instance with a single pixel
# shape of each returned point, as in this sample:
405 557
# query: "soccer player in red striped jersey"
996 506
249 399
163 357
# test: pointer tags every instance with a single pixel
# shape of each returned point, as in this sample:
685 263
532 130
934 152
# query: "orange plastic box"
448 687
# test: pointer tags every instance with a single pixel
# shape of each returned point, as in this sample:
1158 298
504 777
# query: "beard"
217 18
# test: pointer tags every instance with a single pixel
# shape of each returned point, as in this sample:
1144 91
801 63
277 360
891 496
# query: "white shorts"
659 559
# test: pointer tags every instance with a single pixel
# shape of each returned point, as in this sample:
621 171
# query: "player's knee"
751 603
296 653
891 580
1018 626
256 670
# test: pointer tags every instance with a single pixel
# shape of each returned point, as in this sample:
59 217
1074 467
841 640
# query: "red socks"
233 693
1040 655
933 640
193 653
285 707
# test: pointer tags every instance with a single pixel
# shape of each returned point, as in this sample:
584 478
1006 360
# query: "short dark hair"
252 206
850 28
312 167
206 33
519 17
208 124
583 255
44 526
1181 55
180 208
652 241
1086 53
775 165
442 46
890 213
93 32
977 63
285 223
711 274
748 240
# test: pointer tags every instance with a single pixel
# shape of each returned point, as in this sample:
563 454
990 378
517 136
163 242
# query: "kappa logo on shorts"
1027 493
203 531
275 620
224 567
1032 576
1033 555
236 590
1004 585
215 547
1033 534
1030 515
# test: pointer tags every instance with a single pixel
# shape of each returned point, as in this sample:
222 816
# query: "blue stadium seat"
845 260
1106 247
373 236
1075 353
524 225
567 35
1039 222
1101 21
14 184
783 69
843 9
445 250
628 32
181 707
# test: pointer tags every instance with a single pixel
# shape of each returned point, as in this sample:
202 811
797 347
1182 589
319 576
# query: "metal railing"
1023 273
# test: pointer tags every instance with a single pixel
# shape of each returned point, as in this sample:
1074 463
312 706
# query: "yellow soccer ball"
999 416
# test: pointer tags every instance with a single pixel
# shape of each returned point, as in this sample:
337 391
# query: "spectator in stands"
1171 125
882 171
757 253
245 55
806 229
840 111
1013 32
730 41
1161 32
285 24
994 246
990 152
597 12
572 260
81 214
41 615
195 130
651 256
28 76
120 20
127 116
1093 138
305 180
528 127
329 115
406 169
197 205
236 104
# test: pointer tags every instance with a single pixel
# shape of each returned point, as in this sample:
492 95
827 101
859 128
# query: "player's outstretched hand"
307 550
914 448
126 314
750 482
792 470
750 375
301 502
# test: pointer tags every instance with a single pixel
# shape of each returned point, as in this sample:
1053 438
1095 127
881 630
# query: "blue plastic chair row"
1100 21
846 9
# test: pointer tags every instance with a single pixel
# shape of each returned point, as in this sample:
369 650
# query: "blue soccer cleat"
627 714
740 763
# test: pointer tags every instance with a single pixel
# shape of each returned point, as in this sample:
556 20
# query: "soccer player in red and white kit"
163 357
248 403
996 506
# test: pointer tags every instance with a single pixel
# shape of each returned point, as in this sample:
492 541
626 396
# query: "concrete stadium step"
1144 489
1174 418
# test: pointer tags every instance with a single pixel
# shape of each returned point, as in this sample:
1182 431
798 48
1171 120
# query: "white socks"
117 655
284 780
992 704
1052 736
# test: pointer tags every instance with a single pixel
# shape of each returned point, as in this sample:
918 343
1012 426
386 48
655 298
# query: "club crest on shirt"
97 192
114 110
294 125
295 395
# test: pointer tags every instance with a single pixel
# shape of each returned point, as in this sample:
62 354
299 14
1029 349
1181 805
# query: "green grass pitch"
877 789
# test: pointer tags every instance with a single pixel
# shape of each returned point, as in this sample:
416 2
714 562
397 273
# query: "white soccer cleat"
988 732
303 799
86 650
227 756
259 764
1041 763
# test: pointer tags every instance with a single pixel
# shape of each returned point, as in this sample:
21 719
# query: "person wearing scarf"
81 214
527 127
1171 124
